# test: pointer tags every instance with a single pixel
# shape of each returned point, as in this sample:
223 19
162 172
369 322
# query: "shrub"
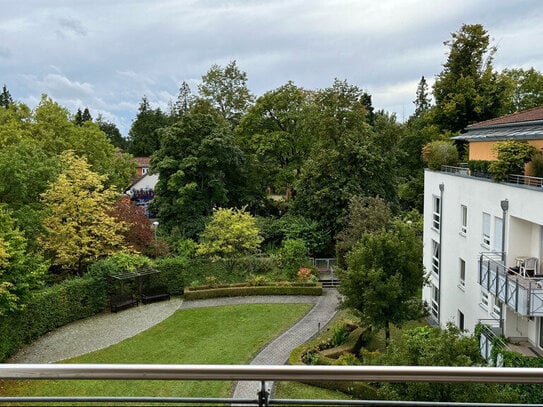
293 255
51 308
537 164
512 155
198 293
173 272
479 167
438 153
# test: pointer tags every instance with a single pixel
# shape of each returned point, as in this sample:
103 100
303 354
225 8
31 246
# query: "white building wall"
522 237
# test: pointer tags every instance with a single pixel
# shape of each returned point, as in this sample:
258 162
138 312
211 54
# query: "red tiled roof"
142 161
518 117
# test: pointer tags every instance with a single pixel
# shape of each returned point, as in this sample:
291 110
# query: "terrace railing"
261 374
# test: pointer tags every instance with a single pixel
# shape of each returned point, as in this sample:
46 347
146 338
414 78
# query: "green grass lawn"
215 335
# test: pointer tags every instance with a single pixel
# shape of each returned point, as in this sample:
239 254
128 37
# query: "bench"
155 294
122 301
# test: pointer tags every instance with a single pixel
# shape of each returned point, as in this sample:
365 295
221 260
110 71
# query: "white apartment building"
483 240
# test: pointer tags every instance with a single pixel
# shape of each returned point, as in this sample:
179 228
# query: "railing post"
263 395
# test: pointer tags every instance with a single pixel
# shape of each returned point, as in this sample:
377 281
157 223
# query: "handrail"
270 373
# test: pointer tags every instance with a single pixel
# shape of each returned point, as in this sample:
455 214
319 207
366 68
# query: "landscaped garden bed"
245 289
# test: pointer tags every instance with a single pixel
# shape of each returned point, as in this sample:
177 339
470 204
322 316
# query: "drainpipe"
441 217
505 207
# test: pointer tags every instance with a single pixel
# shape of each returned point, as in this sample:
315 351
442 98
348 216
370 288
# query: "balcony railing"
522 294
261 374
520 180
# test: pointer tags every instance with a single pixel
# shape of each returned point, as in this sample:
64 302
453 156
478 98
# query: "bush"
173 271
479 167
293 255
438 153
51 308
199 293
537 165
512 155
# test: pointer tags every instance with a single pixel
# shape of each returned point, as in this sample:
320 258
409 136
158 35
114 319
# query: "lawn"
215 335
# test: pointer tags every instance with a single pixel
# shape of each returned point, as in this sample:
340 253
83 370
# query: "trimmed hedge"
51 308
241 290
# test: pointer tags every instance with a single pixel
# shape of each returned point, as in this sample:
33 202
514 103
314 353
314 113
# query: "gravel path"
106 329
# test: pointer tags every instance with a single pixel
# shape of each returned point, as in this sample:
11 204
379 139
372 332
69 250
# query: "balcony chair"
528 267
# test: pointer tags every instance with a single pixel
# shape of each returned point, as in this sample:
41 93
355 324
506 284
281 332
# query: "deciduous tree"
79 226
384 274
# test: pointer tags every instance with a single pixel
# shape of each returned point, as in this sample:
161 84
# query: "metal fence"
262 374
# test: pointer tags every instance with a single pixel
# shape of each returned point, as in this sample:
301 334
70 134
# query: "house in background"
142 188
483 241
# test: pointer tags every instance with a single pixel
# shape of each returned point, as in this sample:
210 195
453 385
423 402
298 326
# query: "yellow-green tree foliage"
231 233
79 228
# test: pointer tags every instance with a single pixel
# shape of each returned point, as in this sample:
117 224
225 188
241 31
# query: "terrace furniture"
122 301
155 294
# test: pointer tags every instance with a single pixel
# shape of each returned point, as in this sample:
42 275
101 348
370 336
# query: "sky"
107 54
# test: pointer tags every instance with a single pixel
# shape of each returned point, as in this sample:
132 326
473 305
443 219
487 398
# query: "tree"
384 274
200 169
230 235
112 133
422 102
78 118
79 227
5 98
272 131
86 116
184 101
226 89
468 90
20 271
438 153
512 155
527 88
144 134
366 215
139 229
427 346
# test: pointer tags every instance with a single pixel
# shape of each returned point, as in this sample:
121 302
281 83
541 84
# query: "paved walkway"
106 329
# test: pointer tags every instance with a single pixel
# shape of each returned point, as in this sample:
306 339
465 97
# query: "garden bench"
155 294
122 301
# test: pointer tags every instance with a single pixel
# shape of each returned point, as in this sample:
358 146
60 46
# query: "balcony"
524 181
520 292
262 374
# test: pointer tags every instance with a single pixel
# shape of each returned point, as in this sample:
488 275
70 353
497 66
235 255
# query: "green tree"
438 153
468 90
422 101
79 229
112 133
230 235
272 131
20 271
144 134
527 88
184 102
226 89
366 215
200 169
427 346
512 156
384 274
5 98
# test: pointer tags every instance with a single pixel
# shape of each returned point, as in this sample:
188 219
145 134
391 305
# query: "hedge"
239 290
51 308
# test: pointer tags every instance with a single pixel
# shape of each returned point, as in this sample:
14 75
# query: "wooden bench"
122 301
155 294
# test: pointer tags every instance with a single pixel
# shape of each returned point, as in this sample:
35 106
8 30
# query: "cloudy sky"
107 54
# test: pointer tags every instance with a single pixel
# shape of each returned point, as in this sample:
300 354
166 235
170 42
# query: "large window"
460 320
486 229
462 272
435 257
436 214
497 307
464 219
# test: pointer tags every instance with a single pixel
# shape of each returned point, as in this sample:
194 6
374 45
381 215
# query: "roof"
525 125
142 161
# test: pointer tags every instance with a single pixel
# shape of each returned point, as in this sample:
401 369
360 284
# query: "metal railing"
520 180
261 374
525 180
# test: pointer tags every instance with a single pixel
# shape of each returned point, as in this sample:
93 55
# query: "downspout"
441 217
505 207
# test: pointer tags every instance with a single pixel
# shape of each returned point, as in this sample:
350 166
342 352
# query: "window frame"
436 212
486 230
462 271
435 257
463 219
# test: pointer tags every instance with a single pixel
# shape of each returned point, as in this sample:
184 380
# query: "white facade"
463 219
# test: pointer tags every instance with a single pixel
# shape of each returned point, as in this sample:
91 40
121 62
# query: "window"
497 307
486 229
462 272
436 214
435 301
435 257
460 320
484 299
498 234
464 219
144 170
